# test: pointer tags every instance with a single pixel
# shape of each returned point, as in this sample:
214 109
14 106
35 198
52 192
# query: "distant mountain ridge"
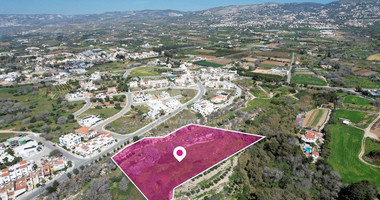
338 13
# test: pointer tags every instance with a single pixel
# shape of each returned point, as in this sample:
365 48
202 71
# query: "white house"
204 107
89 120
69 140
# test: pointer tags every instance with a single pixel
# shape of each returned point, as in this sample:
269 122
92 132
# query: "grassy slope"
345 147
256 103
356 100
371 145
308 80
355 116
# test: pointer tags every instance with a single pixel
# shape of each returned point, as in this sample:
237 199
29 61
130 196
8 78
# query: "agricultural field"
315 118
345 147
267 66
61 90
131 121
374 57
303 71
363 82
208 64
371 145
360 119
353 99
258 93
144 71
263 103
354 102
309 80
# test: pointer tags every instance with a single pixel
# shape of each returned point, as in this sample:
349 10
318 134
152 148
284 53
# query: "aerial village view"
265 100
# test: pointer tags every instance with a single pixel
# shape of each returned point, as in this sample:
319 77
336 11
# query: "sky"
69 7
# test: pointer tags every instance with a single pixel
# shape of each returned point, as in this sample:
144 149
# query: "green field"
209 64
103 112
144 71
371 145
360 119
357 100
363 82
345 147
214 122
267 66
308 80
258 93
317 118
263 103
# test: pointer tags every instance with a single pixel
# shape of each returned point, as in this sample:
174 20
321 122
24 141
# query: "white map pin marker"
179 153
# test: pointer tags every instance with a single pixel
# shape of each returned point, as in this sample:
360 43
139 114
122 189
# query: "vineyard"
61 90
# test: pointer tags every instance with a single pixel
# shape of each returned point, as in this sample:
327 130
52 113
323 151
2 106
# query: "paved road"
100 125
124 138
84 108
290 69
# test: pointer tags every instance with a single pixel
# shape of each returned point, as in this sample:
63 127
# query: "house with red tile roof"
86 132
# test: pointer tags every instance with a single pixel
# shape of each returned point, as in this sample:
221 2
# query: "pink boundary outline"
262 137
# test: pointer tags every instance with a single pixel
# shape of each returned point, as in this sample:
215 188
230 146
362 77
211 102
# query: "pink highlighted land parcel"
151 166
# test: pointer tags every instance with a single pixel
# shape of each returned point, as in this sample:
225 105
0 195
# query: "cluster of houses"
161 83
142 97
159 104
79 95
26 175
218 78
86 141
204 107
184 80
166 106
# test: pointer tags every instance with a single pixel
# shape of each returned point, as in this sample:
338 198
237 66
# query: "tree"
62 120
358 191
55 153
123 184
69 175
45 128
136 138
76 171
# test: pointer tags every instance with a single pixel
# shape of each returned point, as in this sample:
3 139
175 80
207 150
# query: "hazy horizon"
74 7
